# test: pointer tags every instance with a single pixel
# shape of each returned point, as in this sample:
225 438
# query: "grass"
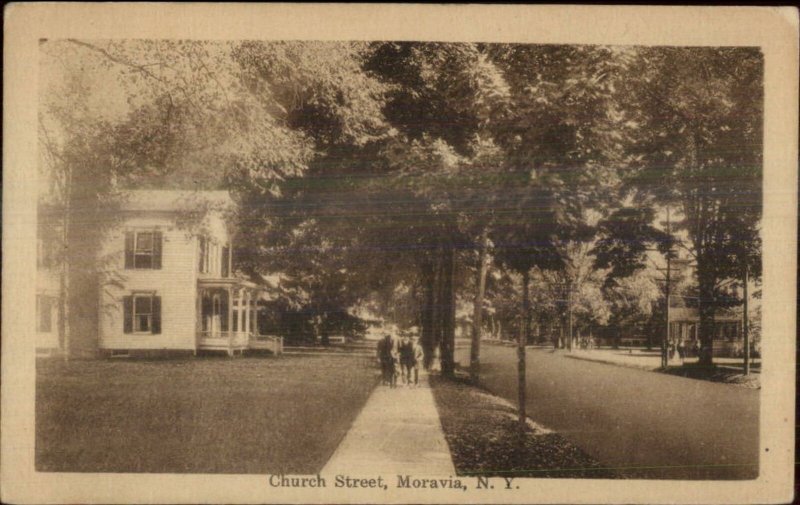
725 370
715 373
203 415
484 438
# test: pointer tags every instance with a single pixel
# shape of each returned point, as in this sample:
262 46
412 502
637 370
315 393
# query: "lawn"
484 438
282 414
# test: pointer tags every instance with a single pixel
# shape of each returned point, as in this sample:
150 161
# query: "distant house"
728 337
173 288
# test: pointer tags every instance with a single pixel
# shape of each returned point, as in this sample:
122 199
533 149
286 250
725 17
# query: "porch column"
198 320
255 314
247 311
252 307
230 320
239 309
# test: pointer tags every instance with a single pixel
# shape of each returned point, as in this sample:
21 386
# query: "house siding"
175 283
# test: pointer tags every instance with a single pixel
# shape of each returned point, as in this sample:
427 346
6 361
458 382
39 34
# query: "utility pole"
521 341
745 323
667 289
477 309
569 317
664 346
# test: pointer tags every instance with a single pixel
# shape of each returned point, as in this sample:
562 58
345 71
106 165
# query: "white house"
169 283
47 296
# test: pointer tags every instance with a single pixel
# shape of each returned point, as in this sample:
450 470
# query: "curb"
615 363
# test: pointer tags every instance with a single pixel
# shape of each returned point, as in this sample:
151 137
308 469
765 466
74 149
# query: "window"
206 255
46 253
142 313
143 249
44 313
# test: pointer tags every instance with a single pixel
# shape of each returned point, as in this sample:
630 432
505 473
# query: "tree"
631 300
441 98
167 111
699 118
311 225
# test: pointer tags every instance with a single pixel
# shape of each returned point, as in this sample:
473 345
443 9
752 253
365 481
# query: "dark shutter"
127 314
226 251
156 319
129 237
157 238
201 244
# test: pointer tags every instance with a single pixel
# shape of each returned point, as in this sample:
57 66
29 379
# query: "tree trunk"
477 311
745 323
526 305
706 311
448 311
427 315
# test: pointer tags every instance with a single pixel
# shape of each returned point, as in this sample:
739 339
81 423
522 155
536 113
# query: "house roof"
173 200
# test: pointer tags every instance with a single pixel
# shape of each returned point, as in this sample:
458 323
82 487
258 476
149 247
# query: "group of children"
400 357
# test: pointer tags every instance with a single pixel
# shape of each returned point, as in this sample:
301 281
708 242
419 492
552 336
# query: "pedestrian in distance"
406 359
682 350
386 356
394 362
379 351
418 357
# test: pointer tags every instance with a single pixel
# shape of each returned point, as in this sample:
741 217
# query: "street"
644 424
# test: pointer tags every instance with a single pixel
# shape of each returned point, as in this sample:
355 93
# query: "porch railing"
231 341
266 342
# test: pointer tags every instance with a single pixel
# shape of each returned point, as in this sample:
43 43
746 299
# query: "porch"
227 321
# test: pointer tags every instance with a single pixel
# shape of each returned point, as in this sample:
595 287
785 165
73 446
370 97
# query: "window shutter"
129 237
156 319
157 239
225 259
127 316
201 246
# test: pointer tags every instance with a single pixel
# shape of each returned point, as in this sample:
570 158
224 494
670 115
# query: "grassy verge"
713 373
484 438
214 415
727 373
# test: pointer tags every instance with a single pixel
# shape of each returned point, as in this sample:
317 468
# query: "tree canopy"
366 167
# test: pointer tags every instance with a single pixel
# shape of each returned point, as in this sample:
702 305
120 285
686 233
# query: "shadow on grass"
714 373
486 439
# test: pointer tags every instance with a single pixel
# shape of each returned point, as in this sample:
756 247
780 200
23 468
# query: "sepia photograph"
400 264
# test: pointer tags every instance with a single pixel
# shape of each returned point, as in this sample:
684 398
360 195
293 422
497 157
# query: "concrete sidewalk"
397 432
